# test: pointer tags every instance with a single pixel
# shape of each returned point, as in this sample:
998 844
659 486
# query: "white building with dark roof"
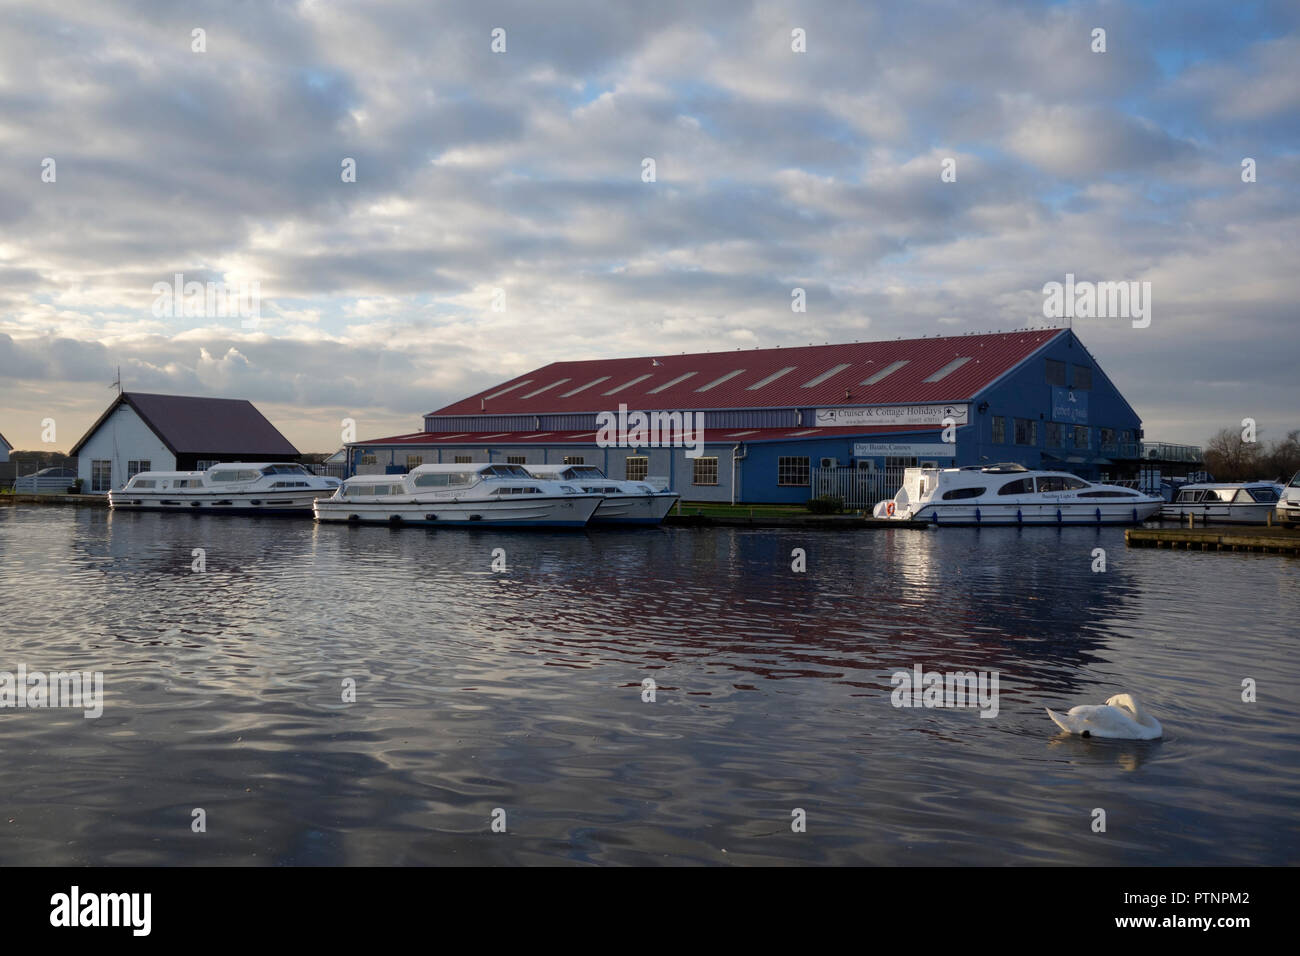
146 432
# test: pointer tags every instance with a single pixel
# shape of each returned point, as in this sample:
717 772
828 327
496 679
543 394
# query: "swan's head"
1127 702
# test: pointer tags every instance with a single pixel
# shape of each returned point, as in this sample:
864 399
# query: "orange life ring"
889 509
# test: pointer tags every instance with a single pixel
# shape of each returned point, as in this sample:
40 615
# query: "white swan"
1121 718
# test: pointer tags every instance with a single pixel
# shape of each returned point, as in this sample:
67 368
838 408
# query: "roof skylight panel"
889 369
545 388
718 381
619 388
583 388
666 385
771 378
508 388
825 375
948 369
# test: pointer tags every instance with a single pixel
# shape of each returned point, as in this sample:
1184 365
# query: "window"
1109 494
1054 439
1021 486
1060 483
1108 439
204 464
718 381
834 370
574 460
516 459
791 471
414 461
1082 377
637 467
705 472
1055 373
999 430
134 468
1081 436
894 462
958 493
101 475
463 460
143 483
369 459
1026 431
1259 494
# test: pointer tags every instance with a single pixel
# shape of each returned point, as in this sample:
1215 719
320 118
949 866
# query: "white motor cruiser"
262 488
479 495
1011 494
1223 502
626 502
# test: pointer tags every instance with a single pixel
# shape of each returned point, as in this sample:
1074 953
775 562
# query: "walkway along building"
782 425
144 432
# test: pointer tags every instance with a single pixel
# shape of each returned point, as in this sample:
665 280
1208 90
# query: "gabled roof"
939 369
4 441
189 425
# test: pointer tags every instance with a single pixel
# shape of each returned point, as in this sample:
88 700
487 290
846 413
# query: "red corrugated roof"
569 437
757 378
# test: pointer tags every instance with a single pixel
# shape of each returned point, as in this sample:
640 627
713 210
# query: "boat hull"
633 509
569 511
1224 513
1010 515
238 503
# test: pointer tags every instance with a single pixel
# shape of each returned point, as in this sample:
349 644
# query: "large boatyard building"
786 424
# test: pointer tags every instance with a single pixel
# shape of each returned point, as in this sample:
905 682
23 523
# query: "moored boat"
477 495
626 502
1011 494
1223 502
263 488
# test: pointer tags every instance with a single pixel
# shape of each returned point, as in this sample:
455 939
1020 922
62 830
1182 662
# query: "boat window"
1021 486
142 483
1262 494
1295 480
1060 483
958 493
1109 494
443 479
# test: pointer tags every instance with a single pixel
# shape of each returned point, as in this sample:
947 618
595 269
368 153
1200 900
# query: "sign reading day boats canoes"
891 415
903 449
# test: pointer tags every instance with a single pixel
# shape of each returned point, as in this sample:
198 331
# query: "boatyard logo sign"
36 689
921 688
651 430
181 299
1098 300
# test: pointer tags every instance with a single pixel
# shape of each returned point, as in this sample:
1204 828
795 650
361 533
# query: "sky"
500 216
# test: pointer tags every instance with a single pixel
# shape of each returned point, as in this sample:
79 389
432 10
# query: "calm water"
522 691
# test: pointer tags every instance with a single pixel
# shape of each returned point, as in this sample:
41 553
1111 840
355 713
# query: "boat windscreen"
505 471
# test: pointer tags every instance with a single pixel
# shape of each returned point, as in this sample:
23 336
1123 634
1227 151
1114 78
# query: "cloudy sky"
522 171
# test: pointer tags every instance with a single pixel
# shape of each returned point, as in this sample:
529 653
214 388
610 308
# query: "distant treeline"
1230 457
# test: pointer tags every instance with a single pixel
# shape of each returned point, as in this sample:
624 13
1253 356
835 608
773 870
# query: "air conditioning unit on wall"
830 462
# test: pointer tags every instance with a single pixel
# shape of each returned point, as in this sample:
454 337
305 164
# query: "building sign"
903 449
891 415
1069 406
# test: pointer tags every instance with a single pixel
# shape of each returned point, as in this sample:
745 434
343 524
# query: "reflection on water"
523 690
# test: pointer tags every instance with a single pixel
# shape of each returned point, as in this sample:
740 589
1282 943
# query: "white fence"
859 488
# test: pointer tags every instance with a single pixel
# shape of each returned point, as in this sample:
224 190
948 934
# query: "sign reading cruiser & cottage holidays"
892 415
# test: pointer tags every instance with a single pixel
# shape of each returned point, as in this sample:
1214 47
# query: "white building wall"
121 438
